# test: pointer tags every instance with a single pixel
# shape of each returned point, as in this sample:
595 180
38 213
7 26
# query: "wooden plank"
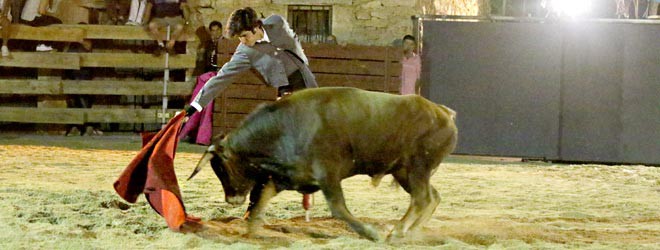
130 60
349 67
122 87
123 115
57 33
50 60
120 32
357 81
354 52
79 115
23 86
92 87
229 120
250 91
243 106
41 115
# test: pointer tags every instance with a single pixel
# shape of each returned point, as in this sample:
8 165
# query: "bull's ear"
206 158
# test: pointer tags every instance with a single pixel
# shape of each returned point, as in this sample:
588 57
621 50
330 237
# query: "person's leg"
177 26
133 12
140 15
6 28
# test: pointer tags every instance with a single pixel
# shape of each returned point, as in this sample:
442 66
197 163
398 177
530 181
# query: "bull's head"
229 170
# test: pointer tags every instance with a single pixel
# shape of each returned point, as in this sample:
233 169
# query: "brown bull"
316 138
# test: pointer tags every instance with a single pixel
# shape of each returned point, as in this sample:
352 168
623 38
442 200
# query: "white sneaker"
132 23
43 47
5 51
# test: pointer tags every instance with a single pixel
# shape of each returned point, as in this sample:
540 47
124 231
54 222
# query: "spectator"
212 47
164 13
36 13
117 11
136 13
5 24
199 127
411 67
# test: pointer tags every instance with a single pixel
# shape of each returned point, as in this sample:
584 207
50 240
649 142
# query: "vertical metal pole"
166 79
504 7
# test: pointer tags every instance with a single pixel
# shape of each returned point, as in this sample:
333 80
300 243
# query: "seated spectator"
164 13
36 13
5 24
117 11
136 12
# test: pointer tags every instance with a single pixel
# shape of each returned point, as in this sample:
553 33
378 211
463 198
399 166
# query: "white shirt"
265 38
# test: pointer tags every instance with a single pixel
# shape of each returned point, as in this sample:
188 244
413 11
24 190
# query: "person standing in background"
411 67
5 24
136 12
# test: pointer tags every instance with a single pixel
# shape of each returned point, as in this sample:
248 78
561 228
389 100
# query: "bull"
315 138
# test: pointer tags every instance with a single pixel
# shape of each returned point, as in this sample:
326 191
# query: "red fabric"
200 122
152 172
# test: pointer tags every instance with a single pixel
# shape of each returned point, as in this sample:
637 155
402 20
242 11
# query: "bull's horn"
205 158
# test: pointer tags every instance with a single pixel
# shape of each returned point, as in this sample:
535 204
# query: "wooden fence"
52 90
374 68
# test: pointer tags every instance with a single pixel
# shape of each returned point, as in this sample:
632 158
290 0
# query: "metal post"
166 79
504 8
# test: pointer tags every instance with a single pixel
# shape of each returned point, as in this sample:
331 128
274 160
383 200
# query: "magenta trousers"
200 123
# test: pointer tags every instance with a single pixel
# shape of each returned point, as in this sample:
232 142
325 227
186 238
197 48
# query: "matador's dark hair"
240 20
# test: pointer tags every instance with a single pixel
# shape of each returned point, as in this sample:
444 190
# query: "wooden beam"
78 32
57 33
119 32
29 86
41 115
120 87
130 60
79 115
50 60
92 87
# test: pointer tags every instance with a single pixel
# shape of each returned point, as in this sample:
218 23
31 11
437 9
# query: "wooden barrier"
373 68
49 86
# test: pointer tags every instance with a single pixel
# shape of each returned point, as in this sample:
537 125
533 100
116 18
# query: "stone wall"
364 22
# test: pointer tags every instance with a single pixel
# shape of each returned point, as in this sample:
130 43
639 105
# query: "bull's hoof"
395 235
371 233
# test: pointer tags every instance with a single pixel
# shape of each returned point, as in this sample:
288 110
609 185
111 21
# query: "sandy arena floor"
56 193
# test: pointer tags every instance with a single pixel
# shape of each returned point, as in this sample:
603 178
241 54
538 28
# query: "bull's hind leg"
334 195
423 199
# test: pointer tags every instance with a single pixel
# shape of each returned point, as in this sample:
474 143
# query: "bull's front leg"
255 219
335 198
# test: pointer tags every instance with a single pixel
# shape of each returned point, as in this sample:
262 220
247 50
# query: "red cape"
152 172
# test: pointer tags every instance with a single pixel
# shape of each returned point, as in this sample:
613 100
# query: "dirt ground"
56 193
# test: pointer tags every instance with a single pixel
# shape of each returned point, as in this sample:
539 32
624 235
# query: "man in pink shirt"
411 67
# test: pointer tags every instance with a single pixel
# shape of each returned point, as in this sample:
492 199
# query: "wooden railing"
50 84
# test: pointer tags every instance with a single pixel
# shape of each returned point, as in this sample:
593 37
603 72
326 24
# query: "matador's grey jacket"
274 60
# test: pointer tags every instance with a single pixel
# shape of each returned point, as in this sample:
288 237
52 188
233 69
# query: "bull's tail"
208 155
